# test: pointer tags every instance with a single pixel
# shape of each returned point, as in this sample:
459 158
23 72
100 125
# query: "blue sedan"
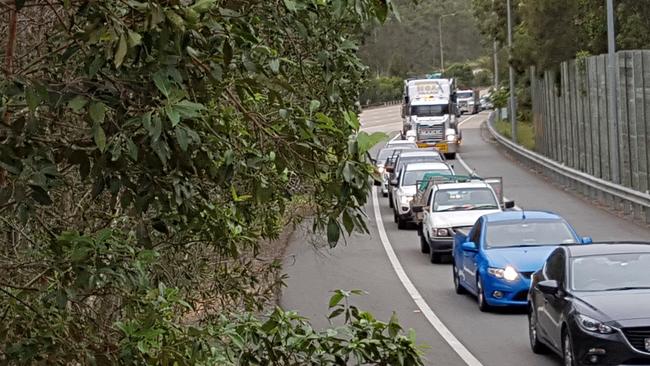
496 258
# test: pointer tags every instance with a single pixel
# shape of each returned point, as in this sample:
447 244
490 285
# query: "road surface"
459 333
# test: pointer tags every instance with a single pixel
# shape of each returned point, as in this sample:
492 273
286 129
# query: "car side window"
476 233
554 267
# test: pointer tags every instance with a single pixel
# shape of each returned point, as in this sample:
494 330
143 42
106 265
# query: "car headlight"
593 325
508 273
443 232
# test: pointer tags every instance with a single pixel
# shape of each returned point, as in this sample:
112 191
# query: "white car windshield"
522 233
611 272
464 200
411 177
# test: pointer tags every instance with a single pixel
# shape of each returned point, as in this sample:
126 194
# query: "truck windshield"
435 110
464 200
464 95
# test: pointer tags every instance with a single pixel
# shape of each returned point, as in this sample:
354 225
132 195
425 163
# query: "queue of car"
582 299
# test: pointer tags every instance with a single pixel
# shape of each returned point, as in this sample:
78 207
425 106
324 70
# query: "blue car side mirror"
587 240
469 246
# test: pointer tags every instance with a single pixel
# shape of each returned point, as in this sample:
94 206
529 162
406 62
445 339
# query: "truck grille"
435 132
637 337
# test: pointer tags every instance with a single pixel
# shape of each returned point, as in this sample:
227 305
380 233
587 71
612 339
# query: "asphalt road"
459 333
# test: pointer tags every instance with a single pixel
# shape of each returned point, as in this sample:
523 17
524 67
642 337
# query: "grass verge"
525 132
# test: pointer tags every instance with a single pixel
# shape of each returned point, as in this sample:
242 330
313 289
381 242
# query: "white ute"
451 206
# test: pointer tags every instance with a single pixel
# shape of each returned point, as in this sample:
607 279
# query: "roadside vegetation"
148 148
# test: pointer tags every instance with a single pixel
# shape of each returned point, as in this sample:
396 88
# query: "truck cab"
468 101
429 110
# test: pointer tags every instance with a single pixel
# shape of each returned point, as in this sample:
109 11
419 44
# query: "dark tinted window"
554 267
430 110
476 233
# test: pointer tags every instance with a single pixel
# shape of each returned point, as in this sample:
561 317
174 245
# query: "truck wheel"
424 245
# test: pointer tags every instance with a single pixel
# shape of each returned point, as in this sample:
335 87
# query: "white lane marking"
467 167
433 319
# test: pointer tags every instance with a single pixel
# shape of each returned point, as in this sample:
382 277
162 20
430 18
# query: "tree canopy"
147 148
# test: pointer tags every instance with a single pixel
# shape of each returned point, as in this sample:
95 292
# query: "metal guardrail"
381 104
639 202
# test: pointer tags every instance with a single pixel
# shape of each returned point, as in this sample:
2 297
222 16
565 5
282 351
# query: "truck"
444 205
429 108
468 101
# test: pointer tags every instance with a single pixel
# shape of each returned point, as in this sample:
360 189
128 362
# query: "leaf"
135 39
132 149
173 115
348 222
181 138
97 111
100 137
32 98
202 6
366 142
348 172
189 109
120 53
336 298
274 64
40 195
290 5
352 120
77 103
162 83
313 106
333 232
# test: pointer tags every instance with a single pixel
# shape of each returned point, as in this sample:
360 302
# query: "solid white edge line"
433 319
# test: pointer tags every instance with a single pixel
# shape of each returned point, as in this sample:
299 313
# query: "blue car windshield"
523 233
611 272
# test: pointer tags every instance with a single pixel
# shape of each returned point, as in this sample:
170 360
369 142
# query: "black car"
591 304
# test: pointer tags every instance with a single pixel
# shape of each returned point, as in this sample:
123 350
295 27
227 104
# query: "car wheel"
567 350
395 217
480 295
434 257
537 346
424 244
457 286
390 200
450 156
401 224
384 194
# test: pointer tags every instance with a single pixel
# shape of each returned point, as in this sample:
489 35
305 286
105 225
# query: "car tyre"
401 224
384 194
434 257
424 244
395 217
450 156
568 357
457 286
390 200
535 344
480 296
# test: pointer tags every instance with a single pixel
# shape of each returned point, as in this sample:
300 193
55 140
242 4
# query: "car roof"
400 142
426 166
419 154
521 215
477 184
608 248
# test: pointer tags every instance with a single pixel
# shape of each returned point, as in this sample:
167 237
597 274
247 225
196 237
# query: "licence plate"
442 147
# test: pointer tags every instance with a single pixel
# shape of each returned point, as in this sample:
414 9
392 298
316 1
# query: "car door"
550 309
469 258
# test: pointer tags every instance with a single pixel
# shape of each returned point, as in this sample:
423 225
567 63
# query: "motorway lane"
495 339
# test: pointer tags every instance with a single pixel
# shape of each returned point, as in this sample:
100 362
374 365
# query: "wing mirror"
549 287
587 240
469 246
509 204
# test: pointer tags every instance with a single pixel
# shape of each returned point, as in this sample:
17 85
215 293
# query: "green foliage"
382 89
410 46
462 73
525 132
148 148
